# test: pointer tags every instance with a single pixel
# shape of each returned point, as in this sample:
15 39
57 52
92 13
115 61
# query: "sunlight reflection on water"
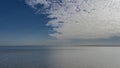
60 57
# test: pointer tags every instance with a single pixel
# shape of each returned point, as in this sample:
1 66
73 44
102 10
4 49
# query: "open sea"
59 57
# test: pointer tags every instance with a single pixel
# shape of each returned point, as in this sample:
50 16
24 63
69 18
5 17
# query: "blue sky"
21 25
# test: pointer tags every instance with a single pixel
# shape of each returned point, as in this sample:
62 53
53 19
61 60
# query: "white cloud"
81 19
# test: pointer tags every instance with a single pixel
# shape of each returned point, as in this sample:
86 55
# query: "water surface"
59 57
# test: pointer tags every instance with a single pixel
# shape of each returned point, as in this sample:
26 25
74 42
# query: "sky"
59 22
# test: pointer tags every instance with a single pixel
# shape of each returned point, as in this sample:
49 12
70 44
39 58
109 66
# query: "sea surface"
59 57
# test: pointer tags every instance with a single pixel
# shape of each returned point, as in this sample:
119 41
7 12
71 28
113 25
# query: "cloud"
81 19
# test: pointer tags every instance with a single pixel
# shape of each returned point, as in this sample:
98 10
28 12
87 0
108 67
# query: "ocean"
59 57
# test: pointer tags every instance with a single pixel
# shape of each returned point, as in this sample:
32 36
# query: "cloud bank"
81 19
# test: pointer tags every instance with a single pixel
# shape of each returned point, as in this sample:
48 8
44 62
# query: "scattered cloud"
81 19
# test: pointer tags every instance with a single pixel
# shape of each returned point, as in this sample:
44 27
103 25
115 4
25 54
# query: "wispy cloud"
81 19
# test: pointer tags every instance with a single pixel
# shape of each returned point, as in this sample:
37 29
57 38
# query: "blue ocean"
59 57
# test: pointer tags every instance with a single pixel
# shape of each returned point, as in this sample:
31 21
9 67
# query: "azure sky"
59 22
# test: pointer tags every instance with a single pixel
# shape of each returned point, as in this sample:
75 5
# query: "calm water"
59 57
